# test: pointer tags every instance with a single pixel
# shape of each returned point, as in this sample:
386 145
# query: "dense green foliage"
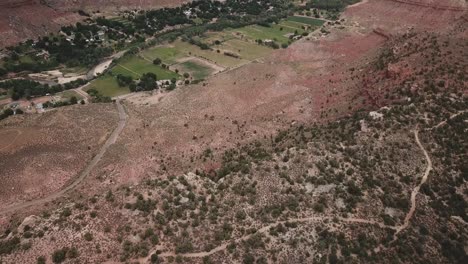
20 88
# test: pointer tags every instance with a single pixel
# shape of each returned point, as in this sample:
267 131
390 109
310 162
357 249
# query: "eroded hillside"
346 147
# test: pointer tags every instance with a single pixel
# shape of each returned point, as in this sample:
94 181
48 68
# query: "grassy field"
121 20
292 26
254 32
107 86
195 69
247 50
26 59
306 20
211 37
69 94
209 55
168 55
240 41
135 67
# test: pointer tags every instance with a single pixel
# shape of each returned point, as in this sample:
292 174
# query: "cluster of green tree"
73 100
9 112
198 43
123 80
334 5
80 52
147 83
116 29
84 48
98 97
230 14
20 88
33 63
150 22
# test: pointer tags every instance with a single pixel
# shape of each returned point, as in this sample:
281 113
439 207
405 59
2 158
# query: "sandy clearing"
104 65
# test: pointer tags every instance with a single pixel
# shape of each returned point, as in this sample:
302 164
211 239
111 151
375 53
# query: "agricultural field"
67 95
135 67
240 43
306 20
167 54
107 85
195 68
246 50
254 32
211 37
121 20
278 32
212 56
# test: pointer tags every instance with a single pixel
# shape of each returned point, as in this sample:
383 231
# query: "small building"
188 13
43 54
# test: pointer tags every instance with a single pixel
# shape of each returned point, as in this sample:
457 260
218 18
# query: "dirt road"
84 94
443 123
397 229
266 228
415 191
104 65
83 174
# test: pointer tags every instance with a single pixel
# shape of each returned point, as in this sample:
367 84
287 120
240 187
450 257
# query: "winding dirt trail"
450 118
14 139
415 191
264 229
267 228
83 174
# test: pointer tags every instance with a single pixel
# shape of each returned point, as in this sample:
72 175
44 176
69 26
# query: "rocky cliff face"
29 19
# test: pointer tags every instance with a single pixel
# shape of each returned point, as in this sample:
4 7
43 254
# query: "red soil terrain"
314 80
396 16
28 19
39 154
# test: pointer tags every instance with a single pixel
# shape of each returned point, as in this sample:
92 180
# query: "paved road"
83 174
